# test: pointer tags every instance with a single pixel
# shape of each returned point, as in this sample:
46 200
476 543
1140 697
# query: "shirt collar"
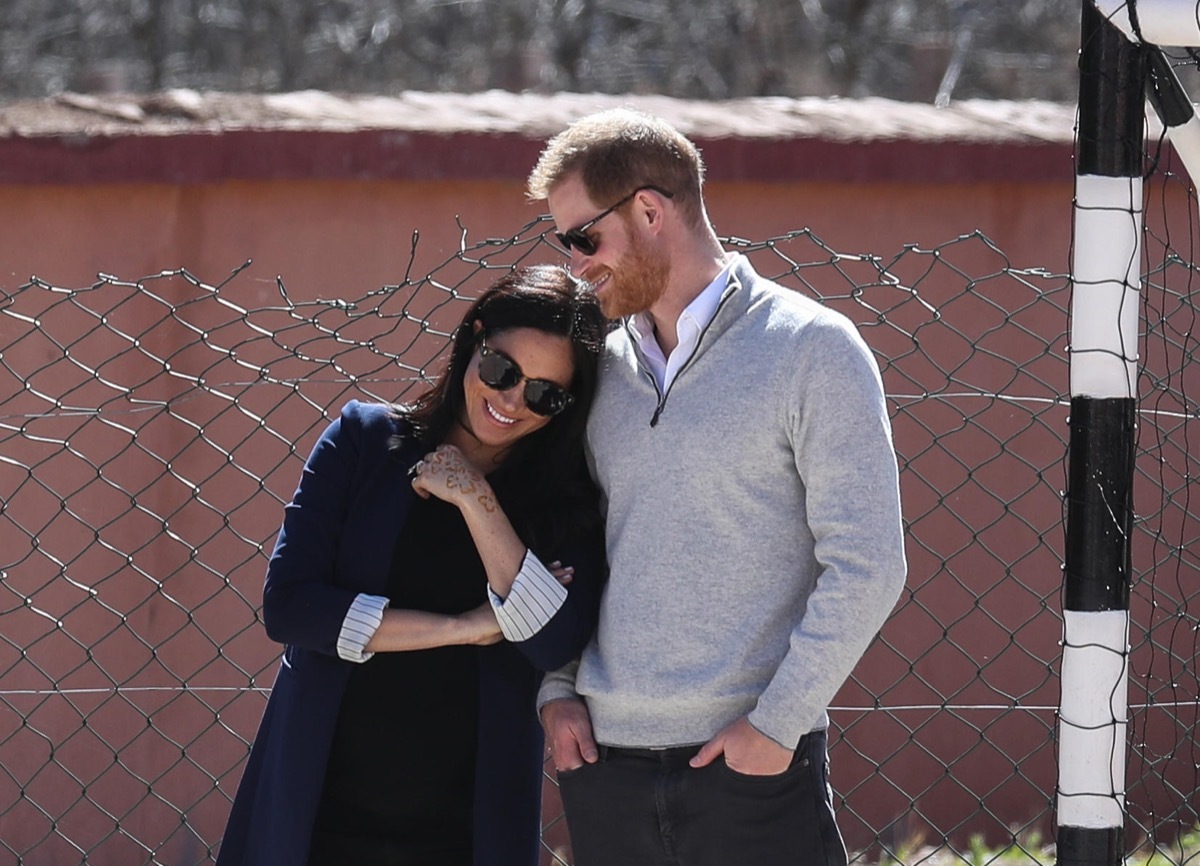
699 313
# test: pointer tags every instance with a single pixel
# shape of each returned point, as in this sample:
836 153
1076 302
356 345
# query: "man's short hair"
617 151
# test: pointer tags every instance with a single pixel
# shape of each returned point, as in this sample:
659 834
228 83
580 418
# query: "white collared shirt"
695 317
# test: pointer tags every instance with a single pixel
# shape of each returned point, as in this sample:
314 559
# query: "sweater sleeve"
841 439
558 684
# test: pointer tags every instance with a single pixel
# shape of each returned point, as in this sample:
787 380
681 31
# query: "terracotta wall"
345 236
324 235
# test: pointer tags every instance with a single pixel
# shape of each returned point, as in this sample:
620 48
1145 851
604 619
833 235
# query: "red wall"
335 217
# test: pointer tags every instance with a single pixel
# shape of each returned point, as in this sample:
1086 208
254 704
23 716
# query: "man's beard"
640 281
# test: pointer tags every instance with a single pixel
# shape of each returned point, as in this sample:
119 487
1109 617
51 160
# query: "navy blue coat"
337 539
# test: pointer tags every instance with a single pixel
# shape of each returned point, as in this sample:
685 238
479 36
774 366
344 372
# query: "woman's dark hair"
546 467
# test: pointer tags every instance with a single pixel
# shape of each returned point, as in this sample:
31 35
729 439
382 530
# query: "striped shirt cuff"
534 598
362 621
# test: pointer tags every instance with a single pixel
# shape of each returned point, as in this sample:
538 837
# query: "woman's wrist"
478 499
476 627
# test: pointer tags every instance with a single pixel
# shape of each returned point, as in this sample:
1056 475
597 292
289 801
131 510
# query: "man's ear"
653 210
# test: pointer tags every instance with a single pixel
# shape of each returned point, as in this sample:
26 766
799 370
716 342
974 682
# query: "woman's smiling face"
497 419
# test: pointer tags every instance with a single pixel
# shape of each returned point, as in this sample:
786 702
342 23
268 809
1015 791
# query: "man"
742 442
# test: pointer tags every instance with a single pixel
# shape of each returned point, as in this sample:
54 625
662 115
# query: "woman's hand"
479 626
447 474
564 574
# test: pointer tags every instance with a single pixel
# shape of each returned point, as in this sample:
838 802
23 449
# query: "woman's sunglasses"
579 238
500 373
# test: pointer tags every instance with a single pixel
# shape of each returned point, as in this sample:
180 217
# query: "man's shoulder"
766 291
785 320
786 306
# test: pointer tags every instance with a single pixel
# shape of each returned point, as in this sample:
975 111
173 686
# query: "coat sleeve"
564 636
302 603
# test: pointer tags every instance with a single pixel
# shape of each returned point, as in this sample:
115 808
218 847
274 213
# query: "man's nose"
578 262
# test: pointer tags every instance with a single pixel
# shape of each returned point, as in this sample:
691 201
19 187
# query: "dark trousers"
647 807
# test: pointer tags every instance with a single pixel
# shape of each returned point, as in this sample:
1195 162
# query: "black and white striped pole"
1106 283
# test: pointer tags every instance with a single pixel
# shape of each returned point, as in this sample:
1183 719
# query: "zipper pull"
657 412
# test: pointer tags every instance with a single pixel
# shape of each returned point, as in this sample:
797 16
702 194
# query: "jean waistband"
667 754
673 754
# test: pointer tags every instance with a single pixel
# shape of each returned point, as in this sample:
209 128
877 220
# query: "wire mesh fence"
1164 760
151 431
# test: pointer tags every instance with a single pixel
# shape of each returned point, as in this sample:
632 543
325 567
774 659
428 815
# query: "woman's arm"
405 630
302 605
546 620
447 474
370 626
567 632
304 601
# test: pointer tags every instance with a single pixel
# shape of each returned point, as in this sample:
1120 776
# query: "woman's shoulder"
377 419
376 431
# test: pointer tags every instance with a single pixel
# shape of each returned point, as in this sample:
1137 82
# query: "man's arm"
841 439
566 720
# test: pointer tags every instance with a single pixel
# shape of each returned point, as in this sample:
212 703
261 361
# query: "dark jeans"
644 807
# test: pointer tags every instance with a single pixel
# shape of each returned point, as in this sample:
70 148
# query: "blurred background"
696 49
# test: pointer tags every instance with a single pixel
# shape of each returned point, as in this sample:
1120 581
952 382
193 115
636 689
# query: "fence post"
1106 279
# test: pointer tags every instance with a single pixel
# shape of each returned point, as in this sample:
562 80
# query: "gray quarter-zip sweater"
753 529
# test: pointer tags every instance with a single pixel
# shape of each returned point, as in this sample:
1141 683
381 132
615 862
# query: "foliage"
1030 849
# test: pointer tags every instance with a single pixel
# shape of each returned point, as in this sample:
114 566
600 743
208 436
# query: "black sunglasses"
578 237
500 373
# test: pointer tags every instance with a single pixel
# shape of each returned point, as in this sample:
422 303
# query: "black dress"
400 780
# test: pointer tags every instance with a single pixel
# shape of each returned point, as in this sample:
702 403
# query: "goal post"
1153 22
1106 285
1121 68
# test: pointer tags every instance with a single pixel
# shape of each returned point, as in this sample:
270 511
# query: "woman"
414 586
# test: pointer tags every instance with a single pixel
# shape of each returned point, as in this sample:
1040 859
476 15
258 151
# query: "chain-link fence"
151 431
1163 801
